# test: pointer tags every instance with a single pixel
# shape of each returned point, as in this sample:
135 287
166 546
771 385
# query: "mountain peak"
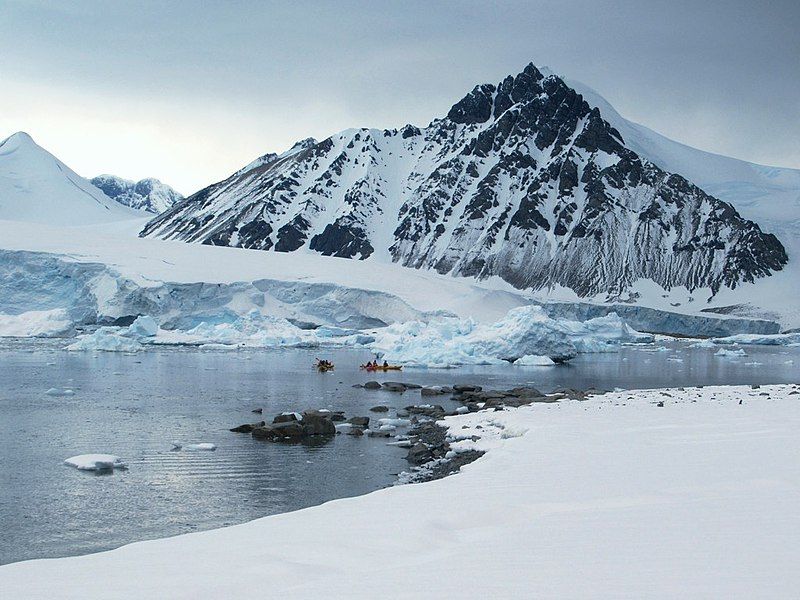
16 140
524 180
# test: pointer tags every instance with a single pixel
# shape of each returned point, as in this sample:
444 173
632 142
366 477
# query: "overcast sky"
189 92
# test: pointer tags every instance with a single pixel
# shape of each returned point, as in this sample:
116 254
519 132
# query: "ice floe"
726 352
35 323
203 446
96 462
534 360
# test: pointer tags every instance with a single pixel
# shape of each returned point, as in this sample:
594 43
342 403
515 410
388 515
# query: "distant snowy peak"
37 187
523 180
146 194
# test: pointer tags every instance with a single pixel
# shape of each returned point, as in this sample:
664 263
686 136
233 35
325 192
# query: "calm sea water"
136 405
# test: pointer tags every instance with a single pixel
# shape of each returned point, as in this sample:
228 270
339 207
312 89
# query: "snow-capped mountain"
146 194
37 187
524 180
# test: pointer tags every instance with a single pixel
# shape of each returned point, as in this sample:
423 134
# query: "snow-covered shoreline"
611 497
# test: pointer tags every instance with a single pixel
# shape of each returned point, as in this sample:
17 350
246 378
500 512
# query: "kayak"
382 368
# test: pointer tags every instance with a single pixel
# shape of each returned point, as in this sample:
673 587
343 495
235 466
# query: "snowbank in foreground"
599 499
526 330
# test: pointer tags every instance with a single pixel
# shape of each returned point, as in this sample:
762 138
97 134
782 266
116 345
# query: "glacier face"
149 194
523 180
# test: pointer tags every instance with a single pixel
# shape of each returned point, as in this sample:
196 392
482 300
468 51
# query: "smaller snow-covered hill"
146 194
37 187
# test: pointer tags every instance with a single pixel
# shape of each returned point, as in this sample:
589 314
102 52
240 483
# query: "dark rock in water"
432 391
467 388
285 418
419 454
357 385
379 409
291 430
356 431
660 403
258 411
372 385
338 416
247 427
412 386
525 391
362 422
433 411
317 422
394 386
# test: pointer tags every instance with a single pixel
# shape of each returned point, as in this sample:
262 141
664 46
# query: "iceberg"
534 360
106 339
203 446
35 323
524 331
726 352
143 326
96 462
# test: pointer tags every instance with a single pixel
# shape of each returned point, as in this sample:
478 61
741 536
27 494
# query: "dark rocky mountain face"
523 180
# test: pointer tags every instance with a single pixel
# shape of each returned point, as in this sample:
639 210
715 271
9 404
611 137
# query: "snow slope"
609 498
770 196
37 187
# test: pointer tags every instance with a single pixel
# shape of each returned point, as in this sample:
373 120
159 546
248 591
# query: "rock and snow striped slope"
612 497
524 180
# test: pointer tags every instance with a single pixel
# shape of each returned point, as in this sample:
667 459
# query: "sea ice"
60 392
726 352
203 446
534 360
96 462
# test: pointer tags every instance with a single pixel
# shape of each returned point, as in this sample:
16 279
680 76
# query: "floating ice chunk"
462 410
534 360
35 323
107 339
96 462
203 446
726 352
60 392
143 326
401 443
703 344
